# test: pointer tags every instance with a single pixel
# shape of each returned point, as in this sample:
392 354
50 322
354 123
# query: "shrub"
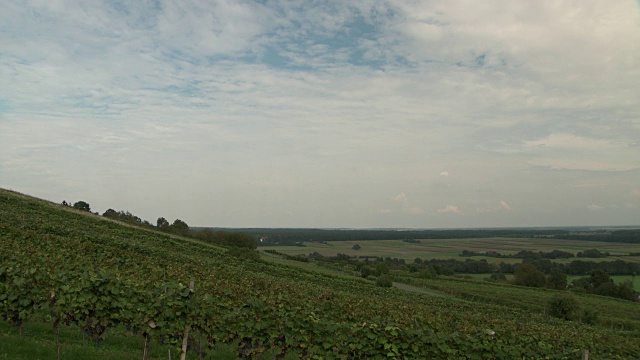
589 317
563 306
428 273
527 274
244 253
384 281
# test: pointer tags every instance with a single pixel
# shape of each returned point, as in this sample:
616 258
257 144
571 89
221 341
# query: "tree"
563 306
162 223
384 281
179 227
428 273
498 277
557 279
81 205
527 274
599 277
240 240
356 247
110 213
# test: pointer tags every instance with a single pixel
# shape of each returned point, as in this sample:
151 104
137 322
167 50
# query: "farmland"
70 275
451 248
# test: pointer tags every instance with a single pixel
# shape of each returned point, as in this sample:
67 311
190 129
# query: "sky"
338 114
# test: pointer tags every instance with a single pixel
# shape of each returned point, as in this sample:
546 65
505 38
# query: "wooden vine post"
56 325
185 338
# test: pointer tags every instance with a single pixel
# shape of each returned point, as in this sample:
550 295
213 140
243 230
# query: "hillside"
80 271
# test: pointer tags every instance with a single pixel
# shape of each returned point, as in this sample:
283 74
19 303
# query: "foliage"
527 274
428 272
589 316
384 281
563 306
592 253
179 227
233 239
244 253
557 280
125 216
498 277
162 223
599 282
82 205
87 273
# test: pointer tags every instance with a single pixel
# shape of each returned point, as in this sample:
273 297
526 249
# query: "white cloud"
595 207
301 105
635 192
402 199
488 206
450 209
504 205
567 151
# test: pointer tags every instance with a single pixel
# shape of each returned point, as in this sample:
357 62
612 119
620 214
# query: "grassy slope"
93 243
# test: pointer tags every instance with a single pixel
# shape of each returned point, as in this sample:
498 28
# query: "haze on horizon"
336 114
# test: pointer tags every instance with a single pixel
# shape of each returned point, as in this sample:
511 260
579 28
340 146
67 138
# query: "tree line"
528 254
178 227
289 237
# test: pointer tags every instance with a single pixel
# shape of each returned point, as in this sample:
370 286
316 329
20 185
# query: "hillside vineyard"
81 271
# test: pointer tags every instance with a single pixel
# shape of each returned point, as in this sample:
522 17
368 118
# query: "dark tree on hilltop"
110 213
81 205
179 227
162 223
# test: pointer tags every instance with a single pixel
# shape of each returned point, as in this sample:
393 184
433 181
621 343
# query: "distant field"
450 248
616 278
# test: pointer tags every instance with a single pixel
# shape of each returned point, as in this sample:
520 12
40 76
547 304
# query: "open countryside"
211 294
451 248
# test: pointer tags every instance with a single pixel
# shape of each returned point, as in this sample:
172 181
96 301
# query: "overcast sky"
396 113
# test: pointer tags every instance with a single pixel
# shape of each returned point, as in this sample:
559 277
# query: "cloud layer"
326 114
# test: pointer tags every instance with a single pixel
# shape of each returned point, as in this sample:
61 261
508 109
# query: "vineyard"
76 270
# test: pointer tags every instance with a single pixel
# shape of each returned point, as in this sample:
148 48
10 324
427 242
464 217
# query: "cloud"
165 106
488 206
636 193
450 209
595 207
572 152
401 198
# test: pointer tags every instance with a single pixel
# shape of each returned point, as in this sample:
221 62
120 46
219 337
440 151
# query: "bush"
384 281
527 274
428 273
244 253
589 317
563 306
